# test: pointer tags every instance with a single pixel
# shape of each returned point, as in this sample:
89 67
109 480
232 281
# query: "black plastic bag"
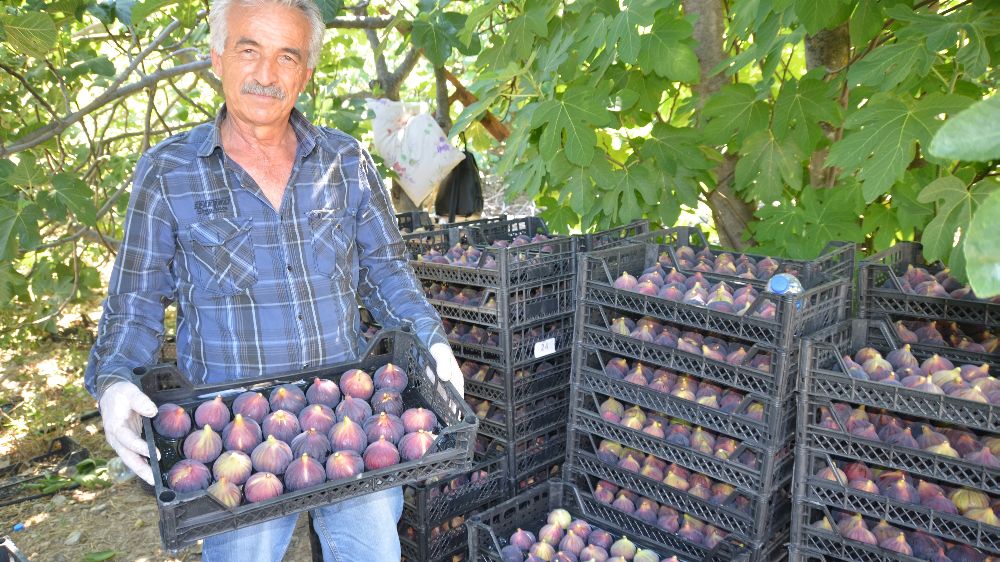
461 193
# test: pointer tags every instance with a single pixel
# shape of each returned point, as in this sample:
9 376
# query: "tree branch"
57 126
360 23
34 93
443 116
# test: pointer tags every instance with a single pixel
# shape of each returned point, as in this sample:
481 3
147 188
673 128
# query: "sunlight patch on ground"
84 495
36 519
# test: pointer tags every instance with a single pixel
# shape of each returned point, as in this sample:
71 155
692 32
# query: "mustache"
255 88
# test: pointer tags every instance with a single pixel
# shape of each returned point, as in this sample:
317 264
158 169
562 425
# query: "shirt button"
304 365
300 317
289 268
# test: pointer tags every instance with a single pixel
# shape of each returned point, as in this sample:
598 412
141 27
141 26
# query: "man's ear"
216 62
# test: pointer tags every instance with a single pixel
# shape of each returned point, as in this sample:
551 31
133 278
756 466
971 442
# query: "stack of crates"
968 327
507 305
682 414
895 455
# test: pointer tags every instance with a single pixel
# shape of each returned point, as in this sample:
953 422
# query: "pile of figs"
695 290
914 434
675 432
934 375
564 539
918 544
257 447
920 281
459 294
456 523
903 487
488 411
651 330
472 334
975 339
724 263
482 373
469 255
682 386
671 474
455 484
460 332
683 525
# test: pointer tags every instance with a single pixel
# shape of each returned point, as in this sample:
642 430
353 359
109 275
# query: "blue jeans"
354 530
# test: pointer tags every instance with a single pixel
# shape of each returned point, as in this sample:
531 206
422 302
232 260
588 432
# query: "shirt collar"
305 132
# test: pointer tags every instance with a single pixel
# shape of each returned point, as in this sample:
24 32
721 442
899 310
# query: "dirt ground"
122 519
41 398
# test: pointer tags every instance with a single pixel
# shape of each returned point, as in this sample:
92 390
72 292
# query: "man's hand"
447 366
121 405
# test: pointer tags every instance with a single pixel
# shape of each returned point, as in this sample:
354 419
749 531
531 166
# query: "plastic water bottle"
784 284
118 471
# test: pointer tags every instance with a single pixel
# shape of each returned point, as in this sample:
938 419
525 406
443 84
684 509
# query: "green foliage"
611 118
981 248
815 154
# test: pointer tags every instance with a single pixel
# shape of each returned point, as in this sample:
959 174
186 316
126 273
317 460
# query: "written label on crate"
545 347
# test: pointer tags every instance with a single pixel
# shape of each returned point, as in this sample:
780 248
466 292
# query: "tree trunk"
829 49
730 213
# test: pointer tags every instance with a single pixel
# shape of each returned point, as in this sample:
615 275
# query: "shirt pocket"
222 255
332 241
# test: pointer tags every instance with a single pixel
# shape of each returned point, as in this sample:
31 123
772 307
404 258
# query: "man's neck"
243 138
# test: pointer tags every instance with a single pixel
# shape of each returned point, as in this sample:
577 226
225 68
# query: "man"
264 229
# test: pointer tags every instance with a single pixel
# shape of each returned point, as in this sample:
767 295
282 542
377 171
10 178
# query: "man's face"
263 65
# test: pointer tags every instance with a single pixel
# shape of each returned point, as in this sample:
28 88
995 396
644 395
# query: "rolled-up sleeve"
142 284
386 282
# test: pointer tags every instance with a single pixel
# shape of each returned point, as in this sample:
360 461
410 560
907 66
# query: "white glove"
121 405
447 366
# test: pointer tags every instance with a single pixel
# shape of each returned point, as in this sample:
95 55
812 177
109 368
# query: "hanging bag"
461 193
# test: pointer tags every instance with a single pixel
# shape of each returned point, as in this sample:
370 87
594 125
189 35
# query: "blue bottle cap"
19 527
779 284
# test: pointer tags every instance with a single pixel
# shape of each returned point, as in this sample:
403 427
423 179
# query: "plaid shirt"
259 292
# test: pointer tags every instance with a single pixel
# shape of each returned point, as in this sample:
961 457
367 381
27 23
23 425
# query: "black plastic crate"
835 261
426 503
809 542
519 346
486 232
187 517
772 464
514 265
168 349
908 515
827 379
881 291
591 241
537 452
889 337
515 423
755 522
525 304
824 301
442 542
840 442
526 382
776 425
777 379
490 530
411 221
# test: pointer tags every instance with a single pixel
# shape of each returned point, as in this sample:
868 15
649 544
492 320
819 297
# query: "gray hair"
218 31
